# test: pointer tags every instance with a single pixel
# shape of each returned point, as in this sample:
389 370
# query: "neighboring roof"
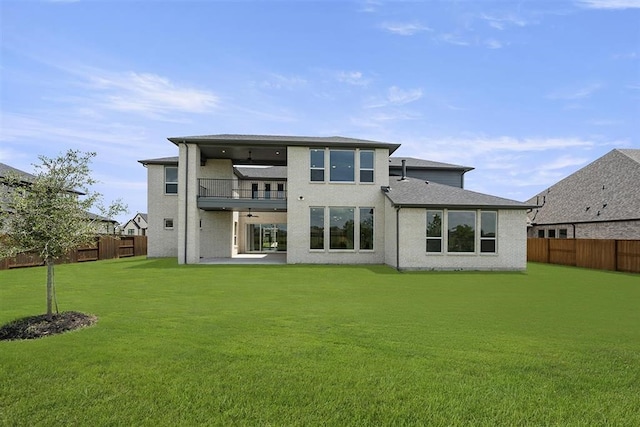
417 193
143 215
604 190
5 169
273 172
100 218
161 161
280 140
413 163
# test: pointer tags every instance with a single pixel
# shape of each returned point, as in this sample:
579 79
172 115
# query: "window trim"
318 168
363 169
166 168
168 227
494 238
433 238
353 171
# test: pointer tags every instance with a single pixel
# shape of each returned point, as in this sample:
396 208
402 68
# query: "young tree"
48 213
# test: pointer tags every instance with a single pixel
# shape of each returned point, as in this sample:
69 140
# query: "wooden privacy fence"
106 247
601 254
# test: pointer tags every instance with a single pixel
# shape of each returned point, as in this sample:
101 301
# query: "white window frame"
168 224
166 182
362 169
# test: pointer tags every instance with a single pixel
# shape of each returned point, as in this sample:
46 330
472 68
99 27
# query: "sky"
526 92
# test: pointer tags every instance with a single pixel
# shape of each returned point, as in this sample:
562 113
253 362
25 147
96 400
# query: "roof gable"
604 190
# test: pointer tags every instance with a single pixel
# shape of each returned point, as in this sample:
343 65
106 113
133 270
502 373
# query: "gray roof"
412 162
417 193
273 172
5 169
288 140
160 161
607 189
96 217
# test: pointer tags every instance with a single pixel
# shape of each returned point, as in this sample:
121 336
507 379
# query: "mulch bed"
42 325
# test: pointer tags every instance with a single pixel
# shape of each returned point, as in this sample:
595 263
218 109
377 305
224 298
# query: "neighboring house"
136 226
325 200
599 201
104 225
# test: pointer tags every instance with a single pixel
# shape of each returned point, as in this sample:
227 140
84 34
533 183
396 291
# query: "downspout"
186 203
398 236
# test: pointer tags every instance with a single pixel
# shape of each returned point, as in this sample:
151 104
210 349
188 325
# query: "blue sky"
527 92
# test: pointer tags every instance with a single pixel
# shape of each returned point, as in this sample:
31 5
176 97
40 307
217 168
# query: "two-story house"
136 226
327 200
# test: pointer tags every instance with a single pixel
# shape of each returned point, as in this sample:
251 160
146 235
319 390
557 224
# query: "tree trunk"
49 263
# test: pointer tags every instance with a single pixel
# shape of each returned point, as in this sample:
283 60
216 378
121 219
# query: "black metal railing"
232 189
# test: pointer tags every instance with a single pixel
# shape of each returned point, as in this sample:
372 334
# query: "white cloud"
609 4
454 39
149 94
397 96
573 94
404 28
493 44
500 22
355 78
278 81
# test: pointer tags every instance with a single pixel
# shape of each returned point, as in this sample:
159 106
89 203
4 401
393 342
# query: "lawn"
324 345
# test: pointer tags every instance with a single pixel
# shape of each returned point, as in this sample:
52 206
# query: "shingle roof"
287 140
4 169
412 162
607 189
273 172
417 193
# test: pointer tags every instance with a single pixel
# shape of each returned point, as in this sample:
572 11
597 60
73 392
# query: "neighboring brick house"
599 201
325 200
136 226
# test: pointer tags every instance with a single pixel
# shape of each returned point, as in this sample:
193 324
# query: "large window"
488 228
317 165
341 165
316 228
171 180
366 228
341 227
461 236
366 166
434 231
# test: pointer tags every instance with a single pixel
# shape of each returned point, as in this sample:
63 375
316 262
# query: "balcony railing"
233 189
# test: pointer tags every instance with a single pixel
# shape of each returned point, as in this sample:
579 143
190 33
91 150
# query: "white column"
188 212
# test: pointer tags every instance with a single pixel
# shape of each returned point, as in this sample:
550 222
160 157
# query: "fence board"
596 253
106 247
628 255
602 254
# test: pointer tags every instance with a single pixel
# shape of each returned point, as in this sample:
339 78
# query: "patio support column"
188 212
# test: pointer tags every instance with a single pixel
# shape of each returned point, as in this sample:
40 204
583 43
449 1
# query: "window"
280 190
316 228
366 229
170 180
551 233
254 190
488 228
130 232
461 234
541 234
267 191
562 233
168 223
434 231
341 165
317 165
341 228
366 166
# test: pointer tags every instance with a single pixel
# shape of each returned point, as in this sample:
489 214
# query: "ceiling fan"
250 215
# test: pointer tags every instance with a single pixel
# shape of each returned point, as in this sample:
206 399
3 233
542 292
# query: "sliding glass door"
267 237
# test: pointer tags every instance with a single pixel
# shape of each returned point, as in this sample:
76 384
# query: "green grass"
324 345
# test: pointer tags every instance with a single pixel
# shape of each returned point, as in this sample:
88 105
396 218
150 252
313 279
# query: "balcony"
222 194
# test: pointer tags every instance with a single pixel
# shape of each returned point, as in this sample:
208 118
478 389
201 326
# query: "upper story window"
171 180
366 166
341 165
317 165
